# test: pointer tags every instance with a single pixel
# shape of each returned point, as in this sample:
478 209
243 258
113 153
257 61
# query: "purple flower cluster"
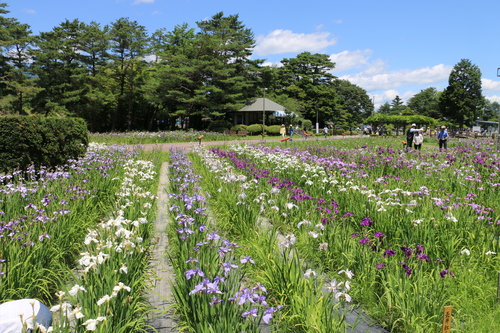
38 221
211 269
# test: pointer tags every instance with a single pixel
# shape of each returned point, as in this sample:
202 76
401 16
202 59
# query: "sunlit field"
418 231
280 237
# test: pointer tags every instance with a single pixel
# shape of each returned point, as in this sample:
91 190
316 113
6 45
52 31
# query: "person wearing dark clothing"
409 135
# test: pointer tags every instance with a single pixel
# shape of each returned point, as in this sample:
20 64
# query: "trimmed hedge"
240 127
44 141
255 128
273 130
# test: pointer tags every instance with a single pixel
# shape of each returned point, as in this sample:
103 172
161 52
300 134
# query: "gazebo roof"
258 105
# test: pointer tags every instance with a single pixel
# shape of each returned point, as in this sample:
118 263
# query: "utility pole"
498 128
264 110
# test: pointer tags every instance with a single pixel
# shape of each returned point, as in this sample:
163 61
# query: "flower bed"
52 217
410 227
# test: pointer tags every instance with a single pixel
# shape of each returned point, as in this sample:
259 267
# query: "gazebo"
253 112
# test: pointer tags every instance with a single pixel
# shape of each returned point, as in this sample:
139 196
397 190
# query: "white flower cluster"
110 244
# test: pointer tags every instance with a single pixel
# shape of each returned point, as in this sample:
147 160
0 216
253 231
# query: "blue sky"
387 47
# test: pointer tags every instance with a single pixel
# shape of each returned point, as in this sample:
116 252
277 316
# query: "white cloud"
137 2
395 79
346 60
490 86
285 41
29 11
272 64
494 98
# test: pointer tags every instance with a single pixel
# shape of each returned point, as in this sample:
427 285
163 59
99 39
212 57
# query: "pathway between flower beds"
161 297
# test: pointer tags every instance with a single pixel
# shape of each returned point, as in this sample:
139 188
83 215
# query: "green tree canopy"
462 99
426 103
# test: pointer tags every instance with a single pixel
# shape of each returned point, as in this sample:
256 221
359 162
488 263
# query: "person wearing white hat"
283 131
27 313
409 135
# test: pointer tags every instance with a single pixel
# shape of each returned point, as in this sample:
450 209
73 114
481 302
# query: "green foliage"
240 127
426 103
41 141
389 128
307 79
99 73
307 124
462 100
354 100
401 120
255 128
273 130
219 126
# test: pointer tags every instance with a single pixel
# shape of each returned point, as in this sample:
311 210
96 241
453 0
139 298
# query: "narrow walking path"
160 295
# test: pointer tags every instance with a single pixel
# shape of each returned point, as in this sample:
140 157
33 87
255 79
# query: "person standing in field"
409 135
443 138
283 131
291 132
325 131
418 138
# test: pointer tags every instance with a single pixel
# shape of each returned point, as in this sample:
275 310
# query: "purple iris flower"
252 312
192 272
388 252
366 222
246 259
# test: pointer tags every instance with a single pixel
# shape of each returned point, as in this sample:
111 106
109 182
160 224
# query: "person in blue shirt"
291 132
443 138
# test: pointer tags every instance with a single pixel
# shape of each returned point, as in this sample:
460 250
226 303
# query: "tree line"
120 77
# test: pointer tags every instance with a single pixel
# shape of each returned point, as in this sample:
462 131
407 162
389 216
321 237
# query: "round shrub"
255 128
307 124
273 130
240 127
219 124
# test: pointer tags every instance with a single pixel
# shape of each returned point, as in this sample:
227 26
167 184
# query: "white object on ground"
11 312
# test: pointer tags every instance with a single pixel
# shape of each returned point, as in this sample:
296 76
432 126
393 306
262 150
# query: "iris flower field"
277 237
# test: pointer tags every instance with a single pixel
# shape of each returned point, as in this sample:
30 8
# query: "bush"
255 128
273 130
217 125
45 141
307 124
240 127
